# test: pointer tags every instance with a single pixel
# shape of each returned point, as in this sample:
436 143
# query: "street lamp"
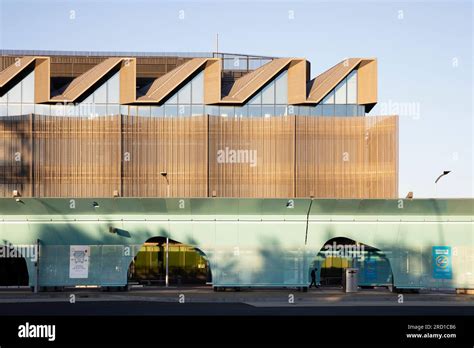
446 172
165 175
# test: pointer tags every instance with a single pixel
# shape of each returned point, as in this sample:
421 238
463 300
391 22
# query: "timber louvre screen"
296 156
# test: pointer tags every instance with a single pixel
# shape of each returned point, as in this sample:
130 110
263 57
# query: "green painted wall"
249 242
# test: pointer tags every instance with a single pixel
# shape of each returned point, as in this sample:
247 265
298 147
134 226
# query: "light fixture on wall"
116 193
16 193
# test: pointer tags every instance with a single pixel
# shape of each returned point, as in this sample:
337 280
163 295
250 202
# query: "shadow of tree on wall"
16 155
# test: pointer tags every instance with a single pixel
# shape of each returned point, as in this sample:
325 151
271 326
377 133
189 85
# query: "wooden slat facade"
349 157
176 146
296 156
272 141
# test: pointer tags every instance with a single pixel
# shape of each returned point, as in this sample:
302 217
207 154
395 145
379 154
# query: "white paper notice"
79 261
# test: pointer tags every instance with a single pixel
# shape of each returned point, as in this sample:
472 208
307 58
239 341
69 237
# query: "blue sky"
424 52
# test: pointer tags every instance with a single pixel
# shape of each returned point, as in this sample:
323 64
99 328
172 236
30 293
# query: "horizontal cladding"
289 156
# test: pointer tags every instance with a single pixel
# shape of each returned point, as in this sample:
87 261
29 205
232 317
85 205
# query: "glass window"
268 94
124 109
281 110
100 94
14 94
173 99
257 99
88 100
113 109
184 94
268 110
184 110
84 109
361 110
254 63
340 93
240 63
197 110
132 110
113 89
352 88
329 99
228 64
69 109
241 111
254 110
27 109
227 111
340 110
352 110
212 110
143 111
328 110
157 111
3 110
281 88
28 88
292 110
171 110
57 110
304 111
100 109
43 109
317 110
3 98
197 85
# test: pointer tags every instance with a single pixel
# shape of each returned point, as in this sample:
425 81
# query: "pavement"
257 298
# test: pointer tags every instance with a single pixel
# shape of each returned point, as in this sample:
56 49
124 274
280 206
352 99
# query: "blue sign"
441 256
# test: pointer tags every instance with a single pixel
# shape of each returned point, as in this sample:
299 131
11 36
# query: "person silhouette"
313 278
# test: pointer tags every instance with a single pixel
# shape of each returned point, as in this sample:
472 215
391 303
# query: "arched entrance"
340 253
186 264
13 268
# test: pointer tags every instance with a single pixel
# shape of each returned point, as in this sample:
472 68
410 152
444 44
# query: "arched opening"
13 268
187 265
340 253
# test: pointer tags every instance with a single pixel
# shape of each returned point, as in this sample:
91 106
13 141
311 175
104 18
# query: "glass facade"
19 100
271 100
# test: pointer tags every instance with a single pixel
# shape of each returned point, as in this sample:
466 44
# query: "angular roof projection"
300 91
163 86
80 84
9 73
324 83
248 84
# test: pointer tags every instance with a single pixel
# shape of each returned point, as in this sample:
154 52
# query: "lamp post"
445 172
165 175
167 261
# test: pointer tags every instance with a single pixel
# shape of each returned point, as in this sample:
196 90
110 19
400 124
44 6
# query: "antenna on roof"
217 42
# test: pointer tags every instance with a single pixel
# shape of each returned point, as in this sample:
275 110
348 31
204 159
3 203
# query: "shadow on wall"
15 165
277 267
13 266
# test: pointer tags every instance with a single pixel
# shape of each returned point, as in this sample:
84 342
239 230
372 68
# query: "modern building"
111 126
252 168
